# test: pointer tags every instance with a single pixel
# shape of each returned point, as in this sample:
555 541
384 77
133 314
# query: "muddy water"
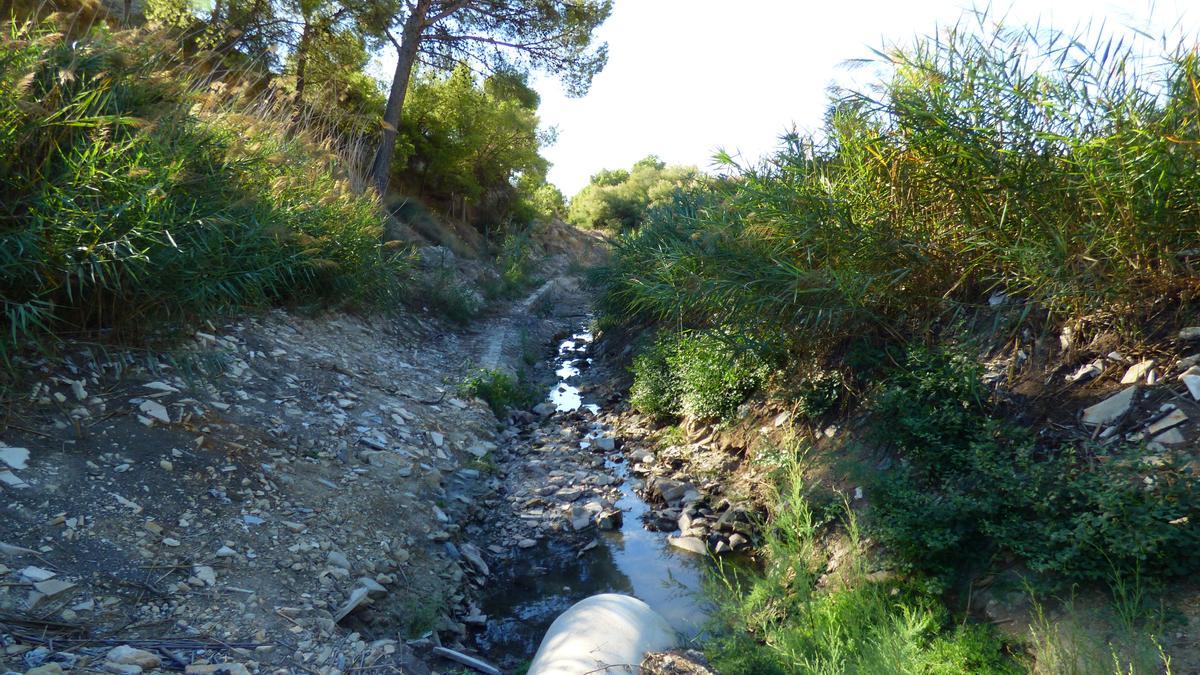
631 560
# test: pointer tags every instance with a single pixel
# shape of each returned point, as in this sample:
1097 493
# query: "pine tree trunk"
406 59
302 65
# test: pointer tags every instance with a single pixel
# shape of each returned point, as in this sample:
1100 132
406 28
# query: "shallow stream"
630 560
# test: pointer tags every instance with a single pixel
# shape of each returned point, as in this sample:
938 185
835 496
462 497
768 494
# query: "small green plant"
968 482
445 295
501 391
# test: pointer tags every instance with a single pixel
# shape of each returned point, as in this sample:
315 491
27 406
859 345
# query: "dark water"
632 560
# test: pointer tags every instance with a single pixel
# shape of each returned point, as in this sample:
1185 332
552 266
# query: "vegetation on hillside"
132 195
991 166
474 149
169 161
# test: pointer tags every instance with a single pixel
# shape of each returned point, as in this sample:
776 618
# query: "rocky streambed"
589 512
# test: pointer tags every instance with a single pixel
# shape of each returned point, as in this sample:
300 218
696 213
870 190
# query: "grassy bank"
996 185
810 610
142 190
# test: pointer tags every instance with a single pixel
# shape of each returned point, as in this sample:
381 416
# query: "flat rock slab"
14 458
1110 409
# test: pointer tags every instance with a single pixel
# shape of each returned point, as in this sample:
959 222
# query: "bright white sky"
686 77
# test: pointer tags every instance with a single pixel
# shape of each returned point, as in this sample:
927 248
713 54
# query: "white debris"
155 410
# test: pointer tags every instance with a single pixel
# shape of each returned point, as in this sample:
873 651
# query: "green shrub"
501 391
716 372
444 294
704 375
655 390
778 619
969 485
818 394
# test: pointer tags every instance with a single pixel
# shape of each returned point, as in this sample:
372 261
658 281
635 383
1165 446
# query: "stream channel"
630 560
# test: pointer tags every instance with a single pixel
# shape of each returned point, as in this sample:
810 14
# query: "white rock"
1170 437
12 480
357 597
1137 371
132 656
36 574
437 438
1190 333
53 587
1110 409
1087 372
1193 385
693 544
606 443
161 386
156 411
78 390
226 552
374 588
15 458
1173 419
206 574
338 559
168 541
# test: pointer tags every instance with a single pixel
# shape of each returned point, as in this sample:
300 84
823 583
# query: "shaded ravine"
550 577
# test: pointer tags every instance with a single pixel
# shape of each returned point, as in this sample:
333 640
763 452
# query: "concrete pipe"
601 634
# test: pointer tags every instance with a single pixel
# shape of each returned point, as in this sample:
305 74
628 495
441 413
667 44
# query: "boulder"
693 544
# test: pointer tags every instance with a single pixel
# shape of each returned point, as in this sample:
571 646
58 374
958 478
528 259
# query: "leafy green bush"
501 391
704 375
968 482
716 372
129 200
655 390
819 393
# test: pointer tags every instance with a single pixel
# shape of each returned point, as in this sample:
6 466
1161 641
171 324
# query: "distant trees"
495 35
618 198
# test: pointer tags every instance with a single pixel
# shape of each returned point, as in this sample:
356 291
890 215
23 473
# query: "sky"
688 77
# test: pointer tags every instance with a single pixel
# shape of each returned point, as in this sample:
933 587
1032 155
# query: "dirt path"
299 506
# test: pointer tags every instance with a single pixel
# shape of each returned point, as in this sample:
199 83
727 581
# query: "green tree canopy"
618 198
472 142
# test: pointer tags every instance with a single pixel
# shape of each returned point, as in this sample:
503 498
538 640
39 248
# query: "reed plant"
141 188
1060 169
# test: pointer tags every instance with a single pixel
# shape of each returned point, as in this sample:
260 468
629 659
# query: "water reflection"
552 576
